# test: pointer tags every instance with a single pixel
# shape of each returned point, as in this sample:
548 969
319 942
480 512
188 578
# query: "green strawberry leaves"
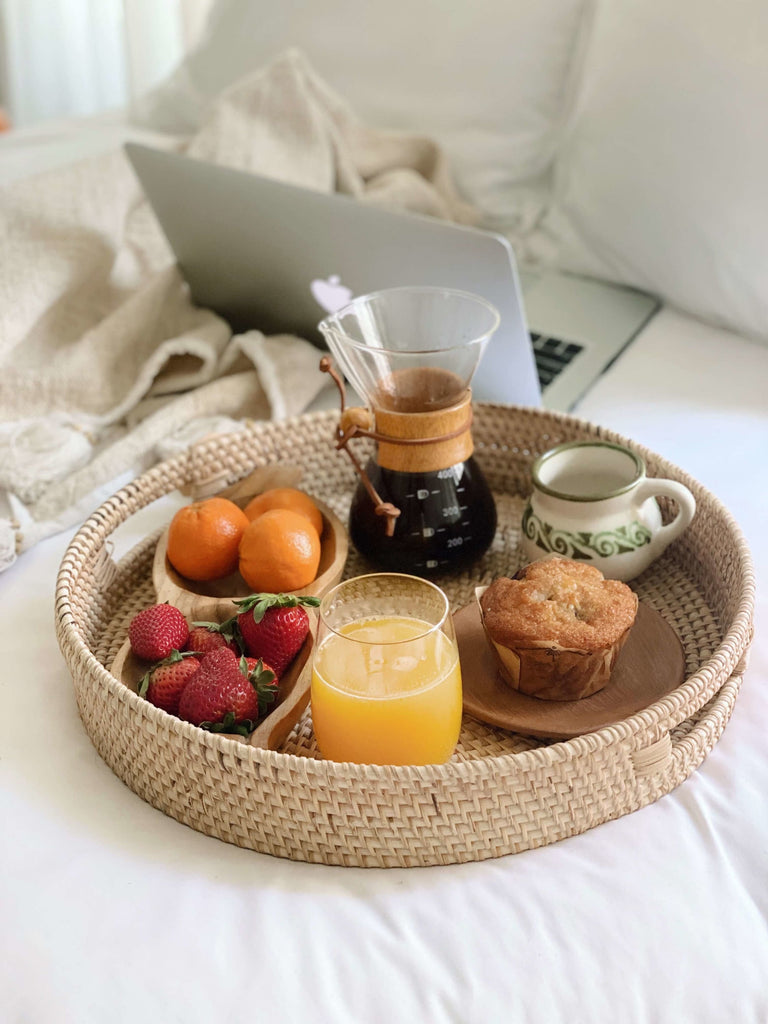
227 724
259 676
260 603
225 628
263 680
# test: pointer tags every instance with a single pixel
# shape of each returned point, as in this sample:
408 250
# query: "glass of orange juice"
386 681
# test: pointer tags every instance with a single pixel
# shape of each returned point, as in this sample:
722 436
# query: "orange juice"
387 690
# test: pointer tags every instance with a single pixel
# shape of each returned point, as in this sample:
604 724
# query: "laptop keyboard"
552 356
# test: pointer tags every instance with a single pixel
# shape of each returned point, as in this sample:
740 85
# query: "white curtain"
61 58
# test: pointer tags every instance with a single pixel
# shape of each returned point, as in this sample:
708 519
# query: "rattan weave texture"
501 793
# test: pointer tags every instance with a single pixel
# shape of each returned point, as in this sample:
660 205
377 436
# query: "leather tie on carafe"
417 442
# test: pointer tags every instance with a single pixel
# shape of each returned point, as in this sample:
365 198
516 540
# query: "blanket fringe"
35 452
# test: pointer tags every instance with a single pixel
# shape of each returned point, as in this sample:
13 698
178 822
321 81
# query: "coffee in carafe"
422 504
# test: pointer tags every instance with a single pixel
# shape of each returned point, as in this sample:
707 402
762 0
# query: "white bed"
110 911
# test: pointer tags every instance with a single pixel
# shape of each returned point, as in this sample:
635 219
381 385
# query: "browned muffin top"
561 601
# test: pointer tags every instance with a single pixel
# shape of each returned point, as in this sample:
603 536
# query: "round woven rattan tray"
501 793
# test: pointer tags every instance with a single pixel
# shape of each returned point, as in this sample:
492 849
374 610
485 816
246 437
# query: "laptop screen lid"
272 256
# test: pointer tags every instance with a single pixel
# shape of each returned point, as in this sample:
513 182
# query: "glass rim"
385 575
333 320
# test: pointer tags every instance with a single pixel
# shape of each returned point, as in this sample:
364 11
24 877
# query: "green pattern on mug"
623 540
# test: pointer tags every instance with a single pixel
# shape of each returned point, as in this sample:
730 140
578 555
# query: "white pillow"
662 181
485 79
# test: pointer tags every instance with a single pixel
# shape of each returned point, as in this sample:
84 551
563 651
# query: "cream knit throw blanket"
105 364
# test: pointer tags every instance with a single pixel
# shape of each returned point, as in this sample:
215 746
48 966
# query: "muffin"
557 627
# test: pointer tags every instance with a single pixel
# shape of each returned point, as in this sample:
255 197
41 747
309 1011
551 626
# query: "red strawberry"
165 682
156 631
268 689
223 695
274 626
205 637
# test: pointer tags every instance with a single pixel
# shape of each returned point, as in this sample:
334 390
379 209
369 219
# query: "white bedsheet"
110 911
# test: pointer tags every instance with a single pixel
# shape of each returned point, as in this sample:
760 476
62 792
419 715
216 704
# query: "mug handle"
654 487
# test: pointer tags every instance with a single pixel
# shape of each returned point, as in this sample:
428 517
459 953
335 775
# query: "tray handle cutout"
653 759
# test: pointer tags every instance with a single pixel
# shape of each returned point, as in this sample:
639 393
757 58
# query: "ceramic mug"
592 501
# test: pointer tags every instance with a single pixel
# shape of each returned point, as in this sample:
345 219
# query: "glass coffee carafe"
422 504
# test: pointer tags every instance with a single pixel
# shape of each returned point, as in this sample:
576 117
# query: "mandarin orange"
286 497
279 551
204 538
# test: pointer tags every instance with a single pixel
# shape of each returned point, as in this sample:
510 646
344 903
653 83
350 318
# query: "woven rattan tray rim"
686 700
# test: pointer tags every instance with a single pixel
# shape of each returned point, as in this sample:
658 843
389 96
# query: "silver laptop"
272 256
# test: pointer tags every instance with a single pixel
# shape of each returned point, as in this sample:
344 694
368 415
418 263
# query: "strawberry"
165 681
268 689
223 695
274 626
205 637
156 631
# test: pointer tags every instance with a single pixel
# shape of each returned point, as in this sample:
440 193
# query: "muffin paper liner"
546 670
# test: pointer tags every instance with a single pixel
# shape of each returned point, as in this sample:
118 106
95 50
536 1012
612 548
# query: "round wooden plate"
651 665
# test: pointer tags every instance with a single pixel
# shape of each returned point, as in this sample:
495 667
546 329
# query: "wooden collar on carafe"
408 442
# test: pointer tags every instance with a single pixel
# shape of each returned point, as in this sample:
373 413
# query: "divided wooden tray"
502 792
214 601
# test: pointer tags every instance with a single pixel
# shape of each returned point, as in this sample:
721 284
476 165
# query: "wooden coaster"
651 665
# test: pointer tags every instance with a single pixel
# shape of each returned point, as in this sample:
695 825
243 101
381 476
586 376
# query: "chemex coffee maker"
422 504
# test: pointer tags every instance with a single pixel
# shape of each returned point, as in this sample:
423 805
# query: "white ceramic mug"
592 501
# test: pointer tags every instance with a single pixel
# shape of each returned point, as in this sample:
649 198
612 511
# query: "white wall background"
62 58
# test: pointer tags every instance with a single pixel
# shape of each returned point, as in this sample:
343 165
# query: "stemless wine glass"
386 681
